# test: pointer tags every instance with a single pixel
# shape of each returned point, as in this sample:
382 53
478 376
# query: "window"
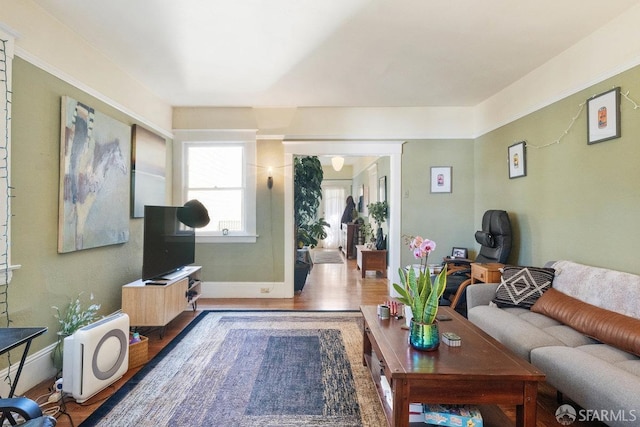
221 175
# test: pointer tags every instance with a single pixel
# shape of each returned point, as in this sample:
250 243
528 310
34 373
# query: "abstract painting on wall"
95 153
147 170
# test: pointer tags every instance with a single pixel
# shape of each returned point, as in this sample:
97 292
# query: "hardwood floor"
328 287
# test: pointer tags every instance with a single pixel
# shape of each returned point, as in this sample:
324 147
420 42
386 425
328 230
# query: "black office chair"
16 409
495 245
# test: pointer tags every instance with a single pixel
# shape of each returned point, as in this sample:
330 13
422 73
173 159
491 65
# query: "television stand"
159 304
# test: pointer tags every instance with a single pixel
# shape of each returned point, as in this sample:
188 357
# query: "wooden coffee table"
481 371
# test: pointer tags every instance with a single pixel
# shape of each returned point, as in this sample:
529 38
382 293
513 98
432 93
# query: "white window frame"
6 268
184 138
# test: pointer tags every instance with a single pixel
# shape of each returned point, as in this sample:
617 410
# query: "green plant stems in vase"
422 296
73 318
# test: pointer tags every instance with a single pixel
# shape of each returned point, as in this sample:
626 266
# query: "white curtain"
334 203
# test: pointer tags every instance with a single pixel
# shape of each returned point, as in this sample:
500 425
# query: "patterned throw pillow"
522 286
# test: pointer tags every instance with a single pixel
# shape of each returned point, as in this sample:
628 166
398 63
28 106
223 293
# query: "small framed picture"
517 160
603 116
441 179
459 253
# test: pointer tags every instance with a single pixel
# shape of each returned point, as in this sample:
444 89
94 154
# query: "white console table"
158 302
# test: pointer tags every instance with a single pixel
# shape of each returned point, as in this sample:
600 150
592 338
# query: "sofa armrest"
480 294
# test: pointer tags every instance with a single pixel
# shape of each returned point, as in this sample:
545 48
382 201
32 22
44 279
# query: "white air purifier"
95 356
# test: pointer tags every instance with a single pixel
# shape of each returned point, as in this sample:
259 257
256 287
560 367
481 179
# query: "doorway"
393 149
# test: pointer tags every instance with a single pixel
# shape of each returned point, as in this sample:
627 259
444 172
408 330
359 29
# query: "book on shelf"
453 415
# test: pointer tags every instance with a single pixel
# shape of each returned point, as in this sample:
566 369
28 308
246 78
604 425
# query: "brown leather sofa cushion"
606 326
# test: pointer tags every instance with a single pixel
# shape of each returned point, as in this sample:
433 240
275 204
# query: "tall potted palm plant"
307 193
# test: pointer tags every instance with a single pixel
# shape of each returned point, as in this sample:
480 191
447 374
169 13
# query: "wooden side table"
369 259
486 273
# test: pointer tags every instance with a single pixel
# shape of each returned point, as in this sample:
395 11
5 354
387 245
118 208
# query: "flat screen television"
168 244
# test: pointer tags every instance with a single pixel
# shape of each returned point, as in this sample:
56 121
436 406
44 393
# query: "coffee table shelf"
481 371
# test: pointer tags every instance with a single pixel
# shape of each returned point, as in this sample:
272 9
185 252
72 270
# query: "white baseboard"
37 368
244 290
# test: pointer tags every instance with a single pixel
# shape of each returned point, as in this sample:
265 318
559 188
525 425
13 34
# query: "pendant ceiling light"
337 162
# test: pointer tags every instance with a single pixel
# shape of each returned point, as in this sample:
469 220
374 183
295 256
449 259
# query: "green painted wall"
445 218
382 165
264 260
578 202
46 277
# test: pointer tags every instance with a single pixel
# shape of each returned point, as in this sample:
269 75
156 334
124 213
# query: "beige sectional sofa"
583 333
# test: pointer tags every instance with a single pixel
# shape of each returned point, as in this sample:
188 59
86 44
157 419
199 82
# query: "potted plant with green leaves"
422 295
367 234
311 233
73 318
307 193
379 212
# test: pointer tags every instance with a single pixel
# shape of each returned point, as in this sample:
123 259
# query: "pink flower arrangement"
422 247
416 289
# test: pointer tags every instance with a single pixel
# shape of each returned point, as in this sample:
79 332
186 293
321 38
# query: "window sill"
227 239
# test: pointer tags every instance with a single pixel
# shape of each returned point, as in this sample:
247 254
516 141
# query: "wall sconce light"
270 178
337 162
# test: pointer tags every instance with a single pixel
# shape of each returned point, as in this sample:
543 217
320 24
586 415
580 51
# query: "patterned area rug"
332 256
253 369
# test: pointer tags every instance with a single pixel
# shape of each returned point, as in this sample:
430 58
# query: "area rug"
253 369
327 257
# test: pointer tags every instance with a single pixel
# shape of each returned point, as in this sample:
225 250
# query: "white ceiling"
382 53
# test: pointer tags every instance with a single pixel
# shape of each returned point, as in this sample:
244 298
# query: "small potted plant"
379 212
367 235
422 296
74 318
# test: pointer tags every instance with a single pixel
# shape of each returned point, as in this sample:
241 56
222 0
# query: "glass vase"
424 336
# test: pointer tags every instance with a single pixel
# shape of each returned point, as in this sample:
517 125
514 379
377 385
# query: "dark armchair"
21 408
495 246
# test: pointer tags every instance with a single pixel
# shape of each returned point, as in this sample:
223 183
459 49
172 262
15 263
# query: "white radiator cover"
95 356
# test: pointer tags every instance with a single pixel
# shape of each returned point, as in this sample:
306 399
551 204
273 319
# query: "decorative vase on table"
380 242
424 336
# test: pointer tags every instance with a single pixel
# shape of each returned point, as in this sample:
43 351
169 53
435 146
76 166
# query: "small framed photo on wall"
441 179
603 116
517 160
